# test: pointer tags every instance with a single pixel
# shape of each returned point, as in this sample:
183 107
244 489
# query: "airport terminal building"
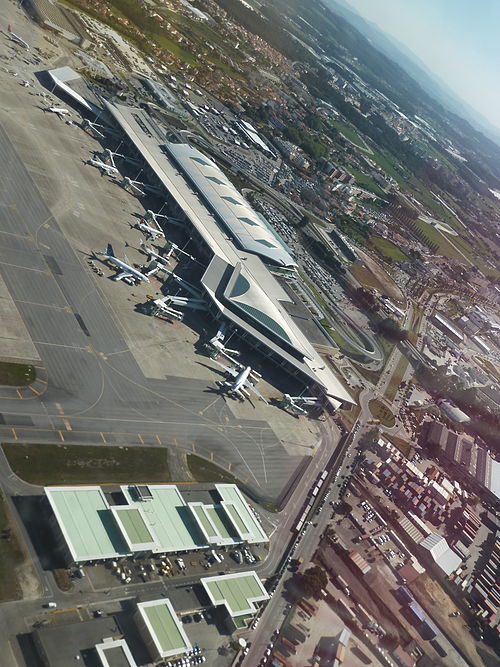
238 246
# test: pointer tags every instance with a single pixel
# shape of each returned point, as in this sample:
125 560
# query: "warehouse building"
161 630
239 593
94 524
115 653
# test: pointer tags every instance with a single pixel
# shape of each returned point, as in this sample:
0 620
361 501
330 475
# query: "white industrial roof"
160 521
443 556
248 229
165 629
238 592
115 651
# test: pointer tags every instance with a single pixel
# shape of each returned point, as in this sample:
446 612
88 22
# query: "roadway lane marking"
102 436
158 439
14 433
25 268
61 435
140 438
67 425
59 408
43 305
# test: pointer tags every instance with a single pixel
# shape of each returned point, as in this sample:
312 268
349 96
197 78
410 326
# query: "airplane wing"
250 386
228 369
126 260
124 274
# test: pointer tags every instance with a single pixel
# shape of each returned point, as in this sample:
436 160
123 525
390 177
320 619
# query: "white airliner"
150 231
164 259
103 166
59 111
128 273
16 39
241 385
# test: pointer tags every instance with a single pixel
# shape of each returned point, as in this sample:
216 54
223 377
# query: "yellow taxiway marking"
42 381
35 391
158 439
102 436
140 438
14 433
61 435
64 611
19 394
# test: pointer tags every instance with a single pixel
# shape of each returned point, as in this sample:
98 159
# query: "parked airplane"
16 39
59 111
150 231
128 273
164 259
241 385
108 169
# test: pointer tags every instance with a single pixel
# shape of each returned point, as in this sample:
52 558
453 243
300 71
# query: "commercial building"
236 245
472 461
93 523
448 327
57 645
239 594
57 19
161 630
444 557
115 653
71 87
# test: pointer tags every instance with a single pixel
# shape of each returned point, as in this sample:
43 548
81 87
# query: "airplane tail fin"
109 250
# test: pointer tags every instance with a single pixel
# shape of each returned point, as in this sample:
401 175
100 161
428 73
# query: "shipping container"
340 653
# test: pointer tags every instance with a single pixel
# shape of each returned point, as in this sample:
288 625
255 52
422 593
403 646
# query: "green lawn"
365 181
175 48
388 248
396 379
206 471
11 556
403 445
78 464
389 166
16 375
444 247
380 411
349 133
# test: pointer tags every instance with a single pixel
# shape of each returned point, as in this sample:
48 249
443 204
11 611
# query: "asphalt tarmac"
94 391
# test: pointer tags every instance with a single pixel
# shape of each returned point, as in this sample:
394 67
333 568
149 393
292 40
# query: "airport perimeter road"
95 391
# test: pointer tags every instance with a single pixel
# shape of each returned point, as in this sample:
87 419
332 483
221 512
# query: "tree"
312 581
304 221
391 329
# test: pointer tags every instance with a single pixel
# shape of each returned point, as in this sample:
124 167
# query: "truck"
342 584
296 563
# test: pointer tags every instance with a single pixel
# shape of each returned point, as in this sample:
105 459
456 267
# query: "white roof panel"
249 230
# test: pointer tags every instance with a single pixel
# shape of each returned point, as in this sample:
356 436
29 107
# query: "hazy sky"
458 40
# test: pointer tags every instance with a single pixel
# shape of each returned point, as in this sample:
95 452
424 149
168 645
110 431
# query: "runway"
95 391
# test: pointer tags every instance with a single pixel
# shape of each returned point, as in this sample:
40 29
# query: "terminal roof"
253 305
